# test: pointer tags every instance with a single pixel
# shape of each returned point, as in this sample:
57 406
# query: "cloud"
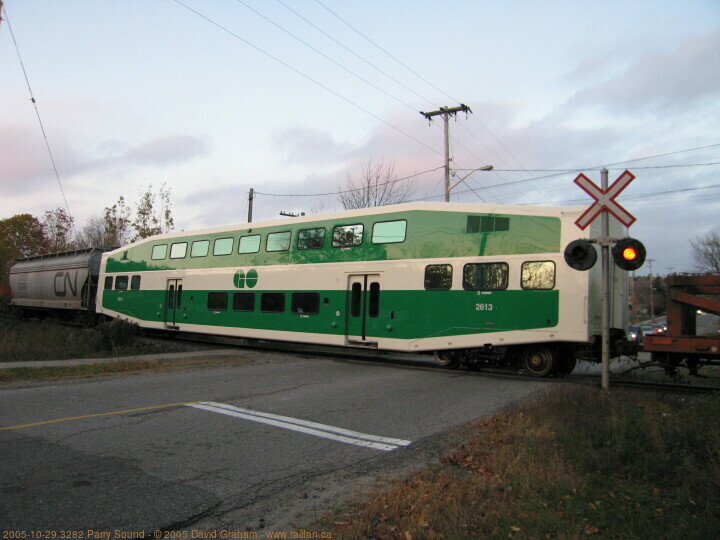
670 81
301 145
25 162
26 165
165 150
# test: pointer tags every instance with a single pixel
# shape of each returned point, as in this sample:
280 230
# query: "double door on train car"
173 302
363 308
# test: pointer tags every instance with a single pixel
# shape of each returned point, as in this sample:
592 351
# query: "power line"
317 51
354 53
347 190
37 113
416 74
386 52
314 81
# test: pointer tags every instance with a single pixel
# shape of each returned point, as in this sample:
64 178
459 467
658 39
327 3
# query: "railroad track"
419 362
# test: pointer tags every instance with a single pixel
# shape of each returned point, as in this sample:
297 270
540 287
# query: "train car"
64 283
472 283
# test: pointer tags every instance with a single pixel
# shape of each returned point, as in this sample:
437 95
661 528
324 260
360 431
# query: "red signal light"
629 254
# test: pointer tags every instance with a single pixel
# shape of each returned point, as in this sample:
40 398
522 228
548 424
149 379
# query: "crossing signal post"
628 253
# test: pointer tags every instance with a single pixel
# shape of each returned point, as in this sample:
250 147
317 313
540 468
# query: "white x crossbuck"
605 200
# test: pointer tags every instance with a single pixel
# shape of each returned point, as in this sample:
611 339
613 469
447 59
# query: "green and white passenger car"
473 283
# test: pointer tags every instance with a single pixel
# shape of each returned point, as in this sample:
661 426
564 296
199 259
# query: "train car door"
363 308
173 302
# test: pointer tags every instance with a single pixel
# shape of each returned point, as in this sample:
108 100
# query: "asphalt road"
265 445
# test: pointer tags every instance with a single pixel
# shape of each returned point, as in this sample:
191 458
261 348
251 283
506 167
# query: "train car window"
121 283
477 224
389 232
223 246
374 304
347 235
108 282
485 277
200 248
272 302
178 251
538 275
356 298
279 241
217 301
249 244
311 239
159 252
305 303
438 277
244 301
135 283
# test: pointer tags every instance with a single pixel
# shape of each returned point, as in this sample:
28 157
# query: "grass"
48 340
119 367
572 463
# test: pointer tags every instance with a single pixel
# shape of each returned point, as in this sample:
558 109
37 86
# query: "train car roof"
475 208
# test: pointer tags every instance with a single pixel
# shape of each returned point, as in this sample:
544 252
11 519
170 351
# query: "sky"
292 97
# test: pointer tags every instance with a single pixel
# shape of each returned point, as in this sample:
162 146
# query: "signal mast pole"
446 113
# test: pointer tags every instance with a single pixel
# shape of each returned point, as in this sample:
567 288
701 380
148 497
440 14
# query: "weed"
570 463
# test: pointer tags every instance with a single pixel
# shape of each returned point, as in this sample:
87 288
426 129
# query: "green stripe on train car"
430 234
402 314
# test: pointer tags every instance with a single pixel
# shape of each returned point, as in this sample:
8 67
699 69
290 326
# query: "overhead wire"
304 75
393 181
416 74
359 56
37 113
319 52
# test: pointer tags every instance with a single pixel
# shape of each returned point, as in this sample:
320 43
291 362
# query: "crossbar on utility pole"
446 113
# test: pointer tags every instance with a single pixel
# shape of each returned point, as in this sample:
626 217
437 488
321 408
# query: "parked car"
633 333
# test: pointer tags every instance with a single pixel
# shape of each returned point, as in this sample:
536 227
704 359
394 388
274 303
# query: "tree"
20 236
59 229
377 185
706 252
113 229
150 221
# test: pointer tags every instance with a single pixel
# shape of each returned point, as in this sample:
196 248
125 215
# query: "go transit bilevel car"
472 283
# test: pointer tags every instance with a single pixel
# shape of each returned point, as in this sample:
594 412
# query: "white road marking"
303 426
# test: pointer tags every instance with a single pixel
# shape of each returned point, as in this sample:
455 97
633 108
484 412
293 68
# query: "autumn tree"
706 252
376 185
59 229
113 229
20 236
150 220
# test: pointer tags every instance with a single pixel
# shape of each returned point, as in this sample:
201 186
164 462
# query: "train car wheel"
538 361
448 359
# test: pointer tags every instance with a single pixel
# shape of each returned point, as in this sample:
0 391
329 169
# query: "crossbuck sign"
605 200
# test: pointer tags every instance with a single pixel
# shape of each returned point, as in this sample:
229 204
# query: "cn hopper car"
473 284
63 284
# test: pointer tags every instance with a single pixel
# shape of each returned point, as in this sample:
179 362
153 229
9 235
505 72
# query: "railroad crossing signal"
580 254
628 253
605 200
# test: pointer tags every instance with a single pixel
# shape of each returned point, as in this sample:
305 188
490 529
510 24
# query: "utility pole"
250 204
605 261
652 294
446 113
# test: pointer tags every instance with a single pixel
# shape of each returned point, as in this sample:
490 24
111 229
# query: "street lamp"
450 188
